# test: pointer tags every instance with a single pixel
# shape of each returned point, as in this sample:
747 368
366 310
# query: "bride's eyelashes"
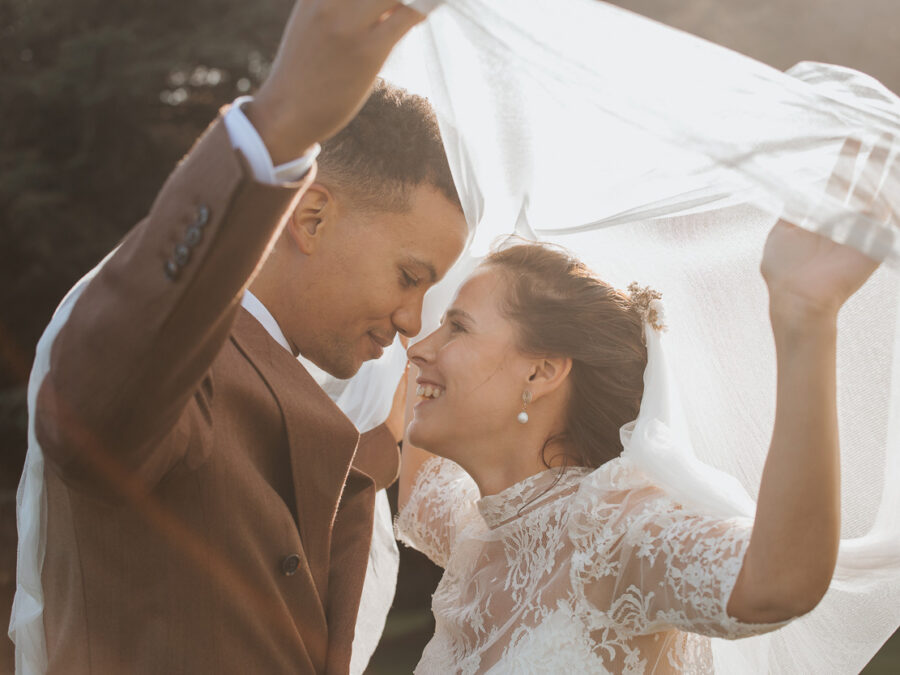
455 326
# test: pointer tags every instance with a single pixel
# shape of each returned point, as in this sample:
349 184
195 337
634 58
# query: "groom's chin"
345 370
342 366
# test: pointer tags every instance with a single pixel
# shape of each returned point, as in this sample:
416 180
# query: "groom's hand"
329 56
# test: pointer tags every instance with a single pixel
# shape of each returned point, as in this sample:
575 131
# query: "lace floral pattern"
579 571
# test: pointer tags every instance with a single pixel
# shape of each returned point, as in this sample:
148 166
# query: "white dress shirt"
245 138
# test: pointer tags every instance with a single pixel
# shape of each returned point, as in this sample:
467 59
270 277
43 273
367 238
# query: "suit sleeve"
146 329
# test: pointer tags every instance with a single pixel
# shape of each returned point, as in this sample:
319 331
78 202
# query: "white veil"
659 157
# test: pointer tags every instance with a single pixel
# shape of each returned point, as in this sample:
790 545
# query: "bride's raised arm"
794 544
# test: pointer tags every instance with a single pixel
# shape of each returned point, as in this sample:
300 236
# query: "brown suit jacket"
208 511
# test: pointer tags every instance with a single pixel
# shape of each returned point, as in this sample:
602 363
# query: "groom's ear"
548 375
311 218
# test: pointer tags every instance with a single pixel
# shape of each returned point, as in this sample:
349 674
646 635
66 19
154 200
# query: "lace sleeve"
429 522
665 568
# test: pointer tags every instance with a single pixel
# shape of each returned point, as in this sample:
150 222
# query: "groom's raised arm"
147 327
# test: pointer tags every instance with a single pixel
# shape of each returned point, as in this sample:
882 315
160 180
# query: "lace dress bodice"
577 571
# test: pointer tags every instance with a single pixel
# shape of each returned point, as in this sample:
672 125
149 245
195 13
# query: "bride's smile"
470 372
476 384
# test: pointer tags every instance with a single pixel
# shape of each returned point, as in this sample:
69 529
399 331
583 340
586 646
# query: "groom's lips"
379 343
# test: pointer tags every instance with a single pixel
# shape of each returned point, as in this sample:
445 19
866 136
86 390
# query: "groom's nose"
407 319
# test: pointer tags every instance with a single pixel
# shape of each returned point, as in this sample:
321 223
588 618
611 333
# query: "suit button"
193 235
202 215
182 255
290 565
171 269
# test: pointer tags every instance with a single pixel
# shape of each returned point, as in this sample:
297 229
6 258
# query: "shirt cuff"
245 138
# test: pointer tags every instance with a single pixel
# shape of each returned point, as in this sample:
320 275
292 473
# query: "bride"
560 555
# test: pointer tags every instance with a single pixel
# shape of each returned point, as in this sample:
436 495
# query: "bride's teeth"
427 391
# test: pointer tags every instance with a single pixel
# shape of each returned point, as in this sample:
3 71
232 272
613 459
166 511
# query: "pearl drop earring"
526 399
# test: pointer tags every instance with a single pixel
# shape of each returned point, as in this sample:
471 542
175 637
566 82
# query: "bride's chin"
415 435
420 437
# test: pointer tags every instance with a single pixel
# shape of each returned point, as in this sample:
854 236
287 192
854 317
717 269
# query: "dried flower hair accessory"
648 303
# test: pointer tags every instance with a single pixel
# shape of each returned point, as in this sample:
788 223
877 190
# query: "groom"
208 509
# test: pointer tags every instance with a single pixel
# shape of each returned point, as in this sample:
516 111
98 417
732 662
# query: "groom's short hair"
392 146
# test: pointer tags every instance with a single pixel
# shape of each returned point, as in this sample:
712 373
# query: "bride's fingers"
866 192
842 174
890 193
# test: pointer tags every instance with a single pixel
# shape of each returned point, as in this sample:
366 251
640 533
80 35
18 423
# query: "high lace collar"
529 494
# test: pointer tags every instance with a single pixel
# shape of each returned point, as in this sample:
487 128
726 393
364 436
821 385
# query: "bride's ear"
548 375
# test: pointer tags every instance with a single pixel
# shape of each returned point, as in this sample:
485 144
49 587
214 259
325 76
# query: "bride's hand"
808 273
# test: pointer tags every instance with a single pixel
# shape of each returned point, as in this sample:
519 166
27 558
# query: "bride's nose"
423 351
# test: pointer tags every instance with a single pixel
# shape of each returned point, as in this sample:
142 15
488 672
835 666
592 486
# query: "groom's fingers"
372 11
330 54
397 22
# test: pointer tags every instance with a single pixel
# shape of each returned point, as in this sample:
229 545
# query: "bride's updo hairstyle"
562 309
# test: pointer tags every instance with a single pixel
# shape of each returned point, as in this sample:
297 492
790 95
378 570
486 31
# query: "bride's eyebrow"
459 314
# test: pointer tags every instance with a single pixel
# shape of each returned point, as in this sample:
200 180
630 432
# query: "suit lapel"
350 554
322 442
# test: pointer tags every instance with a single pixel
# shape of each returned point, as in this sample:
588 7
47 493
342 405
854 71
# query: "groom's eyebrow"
422 264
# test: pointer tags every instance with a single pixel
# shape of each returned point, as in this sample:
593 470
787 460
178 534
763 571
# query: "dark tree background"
99 99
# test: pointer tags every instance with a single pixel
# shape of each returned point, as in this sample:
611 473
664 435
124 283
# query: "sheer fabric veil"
661 158
658 157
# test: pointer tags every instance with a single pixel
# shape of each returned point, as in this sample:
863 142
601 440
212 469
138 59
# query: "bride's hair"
562 309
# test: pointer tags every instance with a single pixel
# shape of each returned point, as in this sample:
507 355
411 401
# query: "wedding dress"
573 571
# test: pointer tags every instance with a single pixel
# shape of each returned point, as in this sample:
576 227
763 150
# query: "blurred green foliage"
98 100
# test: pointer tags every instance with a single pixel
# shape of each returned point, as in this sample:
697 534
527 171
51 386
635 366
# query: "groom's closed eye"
408 280
418 269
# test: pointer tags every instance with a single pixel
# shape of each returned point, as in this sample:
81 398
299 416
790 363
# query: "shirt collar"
252 304
259 312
